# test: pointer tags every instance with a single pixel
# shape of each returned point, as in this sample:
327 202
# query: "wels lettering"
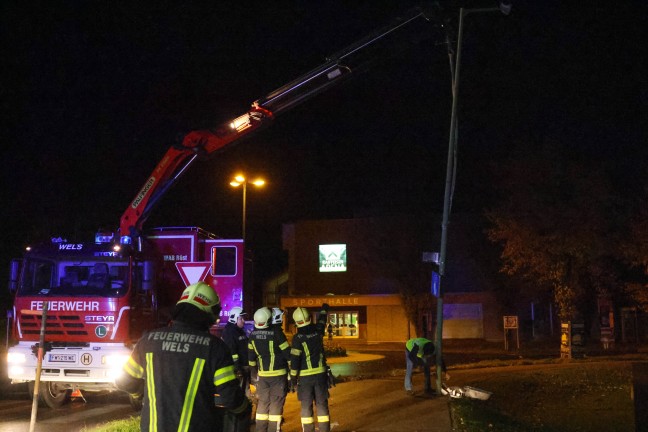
175 347
70 246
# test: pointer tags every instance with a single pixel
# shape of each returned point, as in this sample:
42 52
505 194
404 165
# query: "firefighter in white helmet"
235 337
309 369
277 316
236 340
269 356
183 366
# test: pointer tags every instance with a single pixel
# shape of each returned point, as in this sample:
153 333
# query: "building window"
345 324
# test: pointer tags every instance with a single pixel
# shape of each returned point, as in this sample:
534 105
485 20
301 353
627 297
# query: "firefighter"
269 356
236 340
181 367
420 352
309 369
277 317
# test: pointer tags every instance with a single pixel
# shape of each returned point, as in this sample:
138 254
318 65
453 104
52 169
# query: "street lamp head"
239 179
505 6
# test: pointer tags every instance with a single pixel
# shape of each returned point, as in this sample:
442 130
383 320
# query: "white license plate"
64 358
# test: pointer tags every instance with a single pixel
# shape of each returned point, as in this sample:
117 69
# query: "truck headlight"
115 362
16 358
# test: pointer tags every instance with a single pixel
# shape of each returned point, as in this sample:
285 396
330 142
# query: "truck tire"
50 394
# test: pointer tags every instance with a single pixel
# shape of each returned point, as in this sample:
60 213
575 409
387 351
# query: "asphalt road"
384 362
15 412
16 404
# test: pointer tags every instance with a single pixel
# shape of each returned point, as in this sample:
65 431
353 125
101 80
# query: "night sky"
94 92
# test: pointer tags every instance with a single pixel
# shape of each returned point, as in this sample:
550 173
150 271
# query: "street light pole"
241 180
244 201
455 65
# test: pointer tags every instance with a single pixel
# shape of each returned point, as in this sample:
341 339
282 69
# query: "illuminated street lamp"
455 64
240 180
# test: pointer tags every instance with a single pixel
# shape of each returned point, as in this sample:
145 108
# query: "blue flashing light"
126 240
436 284
104 237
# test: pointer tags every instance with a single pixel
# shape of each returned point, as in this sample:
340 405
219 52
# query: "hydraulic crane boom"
178 158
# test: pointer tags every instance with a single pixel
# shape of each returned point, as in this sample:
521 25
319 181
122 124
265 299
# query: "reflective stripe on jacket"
269 352
183 368
307 353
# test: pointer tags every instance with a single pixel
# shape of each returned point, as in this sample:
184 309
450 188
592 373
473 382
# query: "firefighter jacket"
182 368
307 353
237 341
269 352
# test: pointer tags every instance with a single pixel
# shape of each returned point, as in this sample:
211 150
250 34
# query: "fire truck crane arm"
353 59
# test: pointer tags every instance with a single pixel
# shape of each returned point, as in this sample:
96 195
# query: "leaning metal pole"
455 64
447 200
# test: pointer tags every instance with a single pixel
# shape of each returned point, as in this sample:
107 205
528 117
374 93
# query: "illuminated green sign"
332 258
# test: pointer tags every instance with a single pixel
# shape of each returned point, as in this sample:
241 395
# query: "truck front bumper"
97 363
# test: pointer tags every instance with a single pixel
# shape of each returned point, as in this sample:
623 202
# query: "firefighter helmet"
203 297
301 317
235 313
277 315
262 318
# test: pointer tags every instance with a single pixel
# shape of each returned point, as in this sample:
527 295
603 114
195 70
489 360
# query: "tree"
635 251
555 224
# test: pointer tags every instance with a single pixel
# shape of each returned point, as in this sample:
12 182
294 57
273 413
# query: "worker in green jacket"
420 352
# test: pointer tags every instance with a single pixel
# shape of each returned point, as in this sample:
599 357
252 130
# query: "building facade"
364 267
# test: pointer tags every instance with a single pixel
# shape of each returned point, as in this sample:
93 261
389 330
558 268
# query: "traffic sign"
192 272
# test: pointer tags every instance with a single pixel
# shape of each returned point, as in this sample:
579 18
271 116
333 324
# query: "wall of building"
384 256
474 315
388 324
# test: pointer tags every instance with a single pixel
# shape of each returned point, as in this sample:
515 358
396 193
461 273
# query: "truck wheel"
50 394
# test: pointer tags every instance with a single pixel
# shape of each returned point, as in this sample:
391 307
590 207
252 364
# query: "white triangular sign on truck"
192 272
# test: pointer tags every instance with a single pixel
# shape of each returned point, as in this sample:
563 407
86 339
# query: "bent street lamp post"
455 64
240 180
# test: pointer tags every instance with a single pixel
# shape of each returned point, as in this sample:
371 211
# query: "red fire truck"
102 295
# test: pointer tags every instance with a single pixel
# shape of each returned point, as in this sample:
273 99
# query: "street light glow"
240 180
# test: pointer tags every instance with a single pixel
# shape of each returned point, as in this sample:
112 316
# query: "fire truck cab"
100 298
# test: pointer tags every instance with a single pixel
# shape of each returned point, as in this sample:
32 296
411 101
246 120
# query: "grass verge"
576 397
130 425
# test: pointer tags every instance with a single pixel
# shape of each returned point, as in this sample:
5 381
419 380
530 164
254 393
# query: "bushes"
334 350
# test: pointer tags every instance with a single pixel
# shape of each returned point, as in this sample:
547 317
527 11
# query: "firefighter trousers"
313 390
271 396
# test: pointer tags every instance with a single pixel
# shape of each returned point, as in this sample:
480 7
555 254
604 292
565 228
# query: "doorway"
345 324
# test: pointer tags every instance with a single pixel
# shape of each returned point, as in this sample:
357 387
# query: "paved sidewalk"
373 405
377 405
